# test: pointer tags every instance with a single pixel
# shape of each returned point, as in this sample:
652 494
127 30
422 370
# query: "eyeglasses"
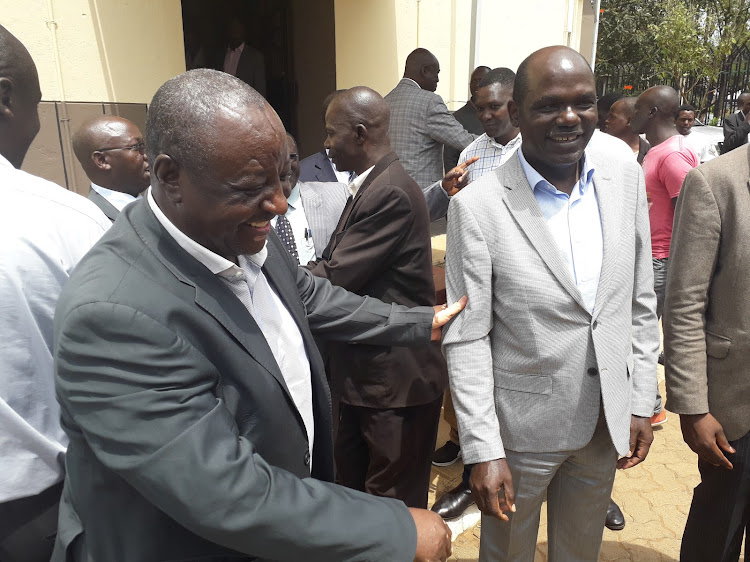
140 147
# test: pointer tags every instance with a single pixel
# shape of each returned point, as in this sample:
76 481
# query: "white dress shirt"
300 228
575 225
357 182
232 59
45 230
251 287
117 199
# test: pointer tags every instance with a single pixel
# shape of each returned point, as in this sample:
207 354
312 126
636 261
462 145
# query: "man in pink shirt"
665 167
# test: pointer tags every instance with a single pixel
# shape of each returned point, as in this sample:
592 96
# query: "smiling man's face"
558 115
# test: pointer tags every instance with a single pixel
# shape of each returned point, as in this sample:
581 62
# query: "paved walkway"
655 498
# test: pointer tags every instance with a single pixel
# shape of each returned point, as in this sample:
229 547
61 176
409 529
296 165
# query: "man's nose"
277 204
568 116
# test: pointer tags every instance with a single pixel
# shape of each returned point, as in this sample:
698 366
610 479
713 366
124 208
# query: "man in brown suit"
707 350
390 396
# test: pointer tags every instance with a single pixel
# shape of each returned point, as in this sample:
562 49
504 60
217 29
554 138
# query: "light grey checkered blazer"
323 203
420 125
527 362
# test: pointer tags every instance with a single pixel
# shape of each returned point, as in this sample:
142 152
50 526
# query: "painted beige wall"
107 50
374 37
507 32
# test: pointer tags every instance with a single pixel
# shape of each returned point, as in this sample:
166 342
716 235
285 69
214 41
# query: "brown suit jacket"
707 307
381 248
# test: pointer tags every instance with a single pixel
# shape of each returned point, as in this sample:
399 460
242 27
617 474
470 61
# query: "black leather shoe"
615 519
454 502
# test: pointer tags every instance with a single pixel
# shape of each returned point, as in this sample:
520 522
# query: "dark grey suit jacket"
316 167
107 208
184 440
736 131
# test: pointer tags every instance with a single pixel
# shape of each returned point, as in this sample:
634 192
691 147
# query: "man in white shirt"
313 211
45 231
702 145
113 155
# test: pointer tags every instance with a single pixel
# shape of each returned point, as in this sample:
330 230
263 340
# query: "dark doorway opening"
292 39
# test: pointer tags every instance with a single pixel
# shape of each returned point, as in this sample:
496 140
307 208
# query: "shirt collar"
511 143
117 198
215 263
357 182
412 81
294 197
238 49
537 181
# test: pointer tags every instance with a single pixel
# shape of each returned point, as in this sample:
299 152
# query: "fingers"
445 313
467 163
488 502
713 455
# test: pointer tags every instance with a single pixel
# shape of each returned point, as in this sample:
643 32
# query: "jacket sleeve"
145 401
437 200
645 324
444 128
692 262
466 342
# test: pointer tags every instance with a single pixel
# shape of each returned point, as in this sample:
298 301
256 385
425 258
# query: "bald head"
19 98
550 60
184 111
655 110
111 152
422 67
357 127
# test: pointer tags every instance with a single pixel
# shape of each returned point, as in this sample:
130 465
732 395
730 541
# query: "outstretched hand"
457 178
443 313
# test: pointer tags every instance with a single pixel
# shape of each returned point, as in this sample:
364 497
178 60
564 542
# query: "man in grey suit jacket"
707 351
420 122
112 153
189 383
313 211
737 125
553 364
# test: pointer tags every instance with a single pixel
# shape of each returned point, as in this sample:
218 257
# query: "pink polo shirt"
665 167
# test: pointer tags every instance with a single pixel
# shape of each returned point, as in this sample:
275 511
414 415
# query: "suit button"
596 323
592 371
307 458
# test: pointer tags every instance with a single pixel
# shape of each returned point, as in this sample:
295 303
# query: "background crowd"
227 353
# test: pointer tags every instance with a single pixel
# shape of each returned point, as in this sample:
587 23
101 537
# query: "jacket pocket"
534 384
717 346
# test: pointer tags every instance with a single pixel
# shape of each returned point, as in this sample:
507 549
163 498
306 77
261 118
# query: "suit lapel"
106 207
610 213
522 204
211 294
378 169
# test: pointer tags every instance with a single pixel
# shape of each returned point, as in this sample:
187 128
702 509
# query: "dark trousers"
28 526
720 510
387 452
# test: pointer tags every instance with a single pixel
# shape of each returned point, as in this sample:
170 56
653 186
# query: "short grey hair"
184 110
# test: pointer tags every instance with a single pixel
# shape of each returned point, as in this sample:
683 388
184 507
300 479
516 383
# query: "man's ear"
513 113
7 92
100 160
167 173
361 131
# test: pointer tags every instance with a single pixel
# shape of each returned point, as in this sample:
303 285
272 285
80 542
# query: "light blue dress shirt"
575 225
